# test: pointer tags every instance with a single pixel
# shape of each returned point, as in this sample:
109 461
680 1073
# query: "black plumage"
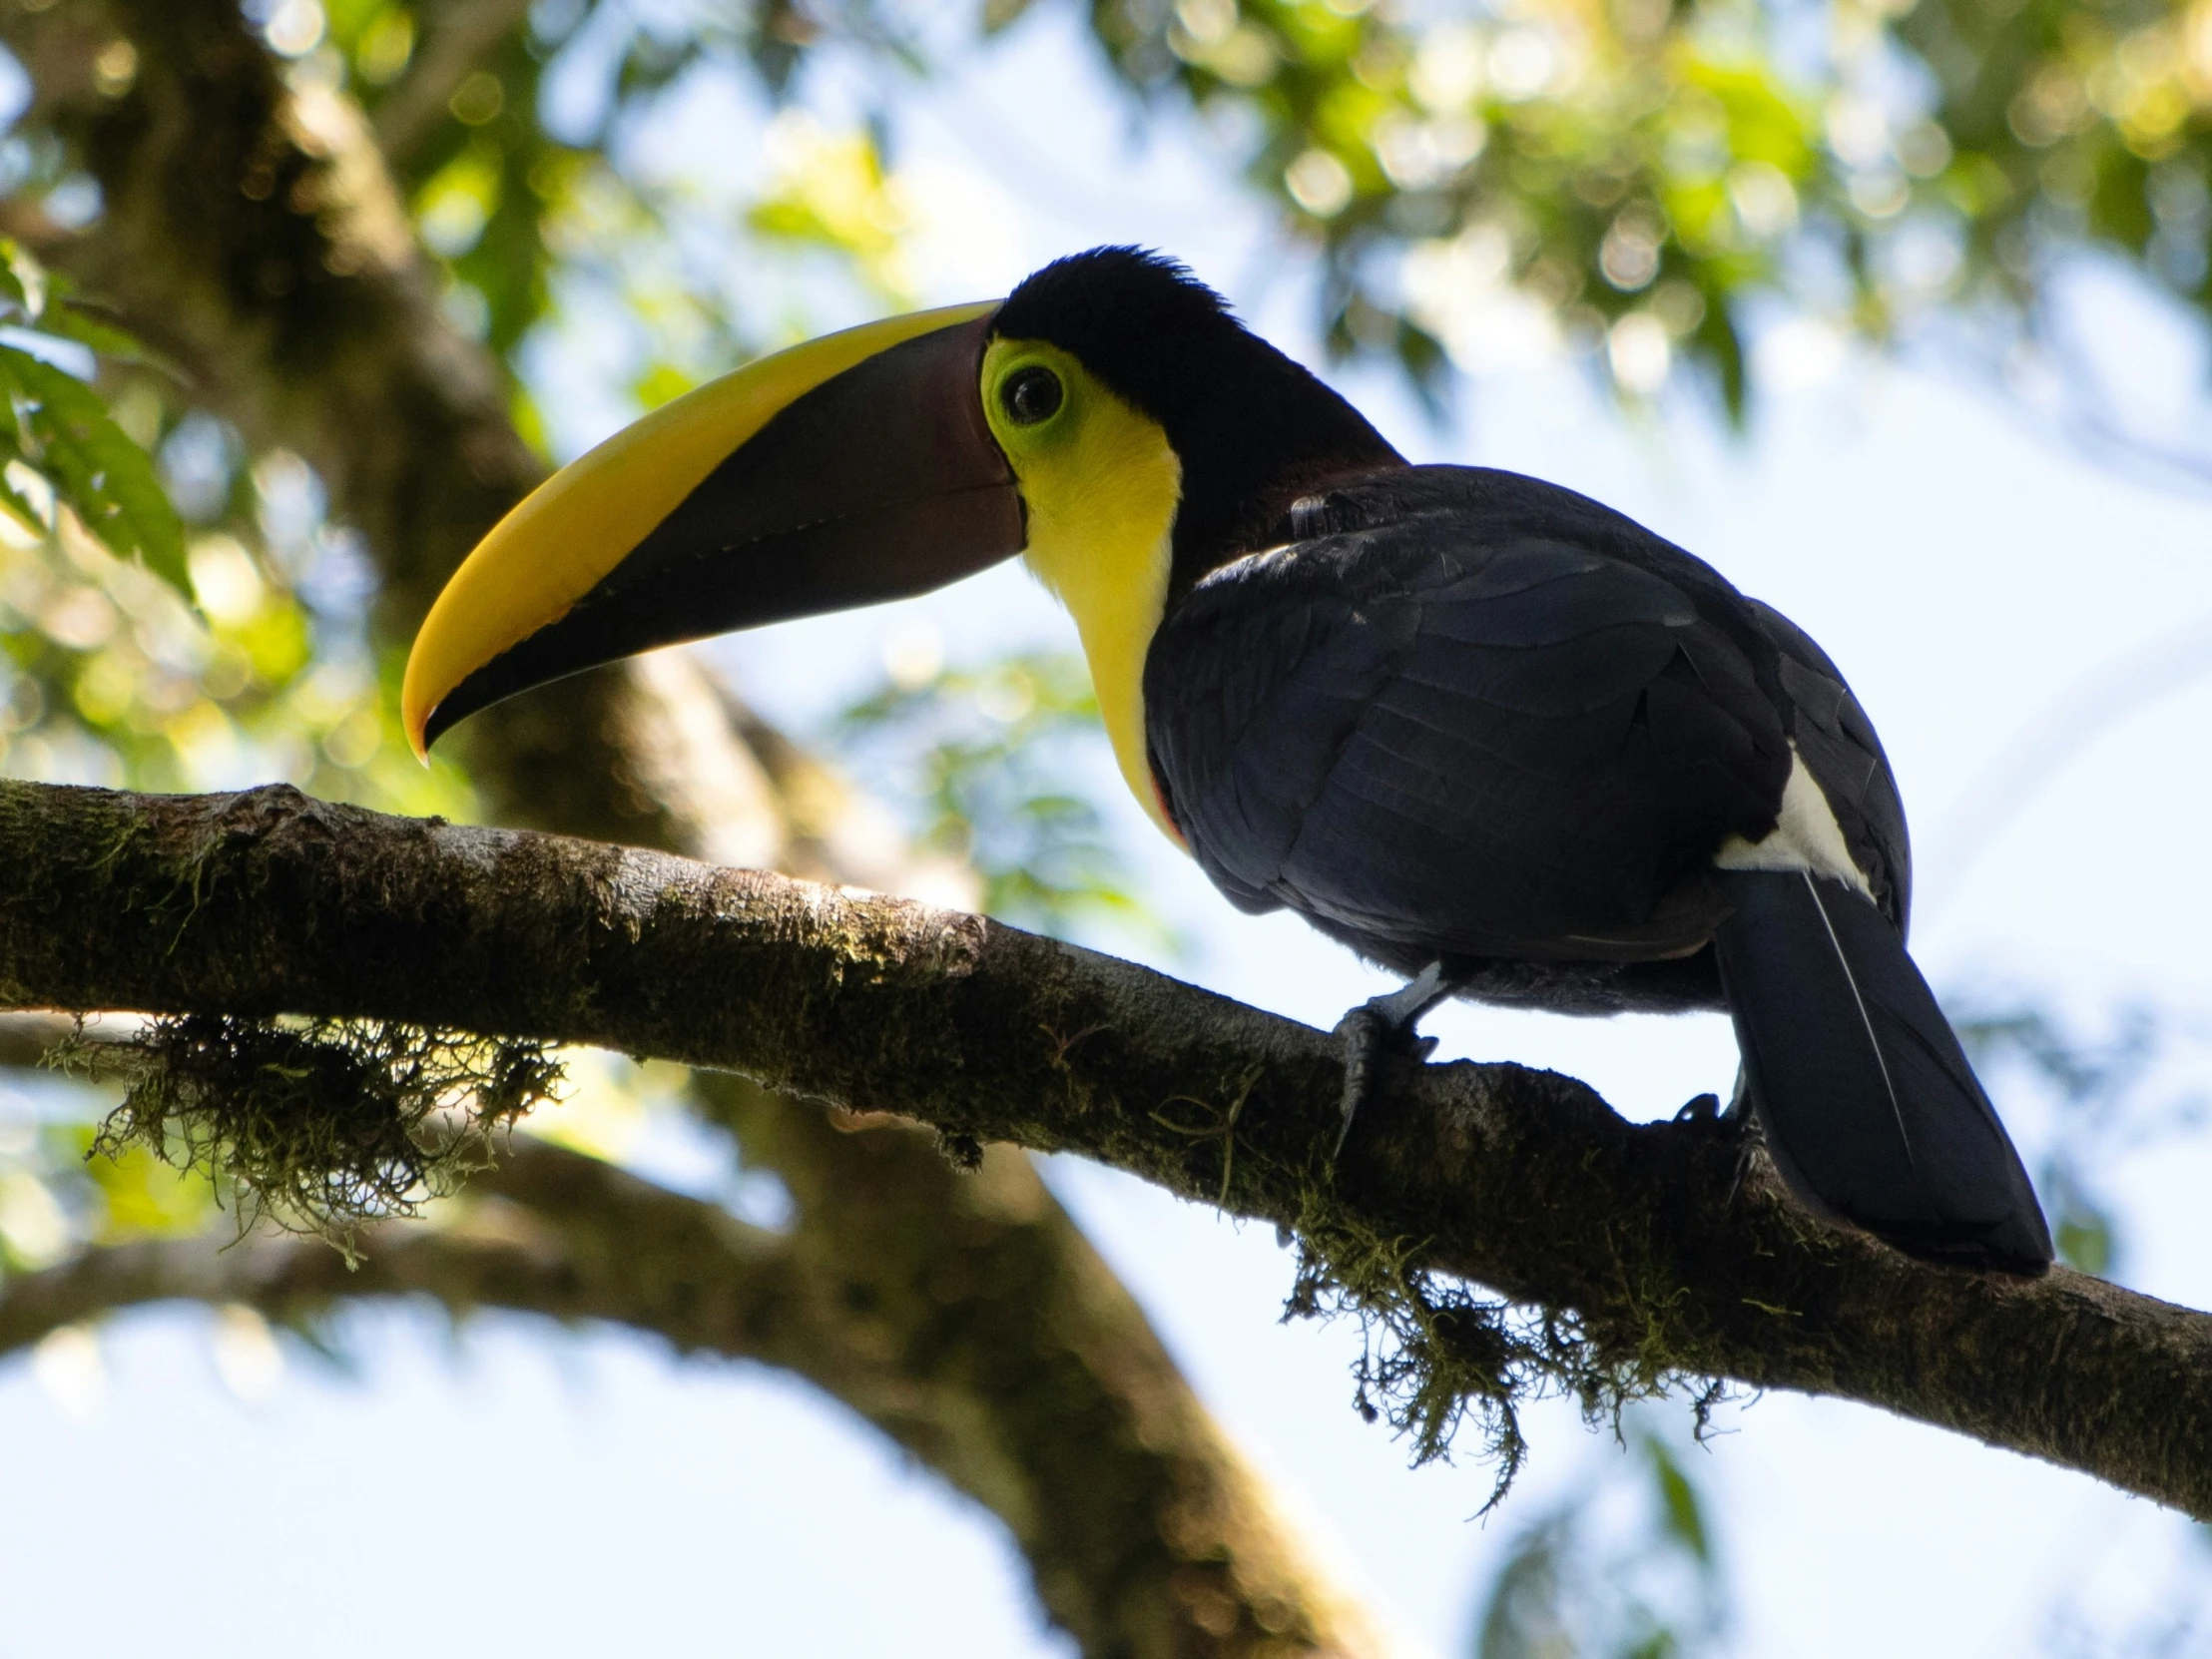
1462 716
1456 717
1465 714
1871 1109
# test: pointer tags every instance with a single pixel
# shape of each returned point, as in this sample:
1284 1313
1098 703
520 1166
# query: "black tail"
1867 1102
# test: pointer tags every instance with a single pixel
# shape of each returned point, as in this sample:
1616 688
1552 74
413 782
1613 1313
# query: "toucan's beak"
851 469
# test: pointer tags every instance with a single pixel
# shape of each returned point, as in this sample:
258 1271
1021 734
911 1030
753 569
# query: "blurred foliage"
456 90
112 678
62 451
831 190
521 196
992 760
1625 1569
55 1198
2110 1094
1643 179
1645 173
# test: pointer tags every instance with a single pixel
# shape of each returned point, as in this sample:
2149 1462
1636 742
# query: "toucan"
1487 732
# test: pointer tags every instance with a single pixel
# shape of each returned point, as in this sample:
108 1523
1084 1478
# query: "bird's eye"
1029 396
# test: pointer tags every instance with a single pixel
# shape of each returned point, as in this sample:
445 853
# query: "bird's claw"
1362 1032
1375 1027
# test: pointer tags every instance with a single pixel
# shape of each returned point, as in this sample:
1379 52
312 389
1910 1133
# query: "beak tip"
415 705
416 722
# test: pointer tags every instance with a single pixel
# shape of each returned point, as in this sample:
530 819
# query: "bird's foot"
1733 1121
1382 1029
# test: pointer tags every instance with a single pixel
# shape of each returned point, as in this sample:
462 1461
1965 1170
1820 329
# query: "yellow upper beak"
880 478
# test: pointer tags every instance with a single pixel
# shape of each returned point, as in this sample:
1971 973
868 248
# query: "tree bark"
1654 1241
253 233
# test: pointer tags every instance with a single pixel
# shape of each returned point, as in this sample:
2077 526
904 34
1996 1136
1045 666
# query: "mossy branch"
1647 1250
319 1125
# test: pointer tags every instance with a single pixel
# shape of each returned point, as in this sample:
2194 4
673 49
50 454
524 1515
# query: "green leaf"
2084 1237
18 504
117 346
1521 1620
25 285
107 481
13 291
1679 1501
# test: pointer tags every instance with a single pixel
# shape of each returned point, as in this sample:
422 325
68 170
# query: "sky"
185 1488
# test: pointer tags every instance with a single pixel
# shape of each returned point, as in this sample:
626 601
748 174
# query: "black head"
1253 430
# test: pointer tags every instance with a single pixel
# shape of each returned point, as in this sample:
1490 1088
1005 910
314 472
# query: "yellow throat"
1101 486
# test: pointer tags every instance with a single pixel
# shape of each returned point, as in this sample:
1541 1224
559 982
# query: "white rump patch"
1807 836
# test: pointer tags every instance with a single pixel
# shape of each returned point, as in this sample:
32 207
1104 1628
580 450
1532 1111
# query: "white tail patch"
1806 836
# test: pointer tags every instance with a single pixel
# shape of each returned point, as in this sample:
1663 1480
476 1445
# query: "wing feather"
1840 747
1454 734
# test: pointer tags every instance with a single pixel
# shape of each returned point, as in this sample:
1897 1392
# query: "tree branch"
252 231
1642 1235
1181 1553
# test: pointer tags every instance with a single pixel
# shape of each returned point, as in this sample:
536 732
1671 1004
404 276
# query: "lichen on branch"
319 1125
1438 1356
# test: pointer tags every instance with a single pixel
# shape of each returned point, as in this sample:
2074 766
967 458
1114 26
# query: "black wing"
1845 756
1471 716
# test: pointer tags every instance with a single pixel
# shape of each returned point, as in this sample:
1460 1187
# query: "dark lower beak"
844 472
